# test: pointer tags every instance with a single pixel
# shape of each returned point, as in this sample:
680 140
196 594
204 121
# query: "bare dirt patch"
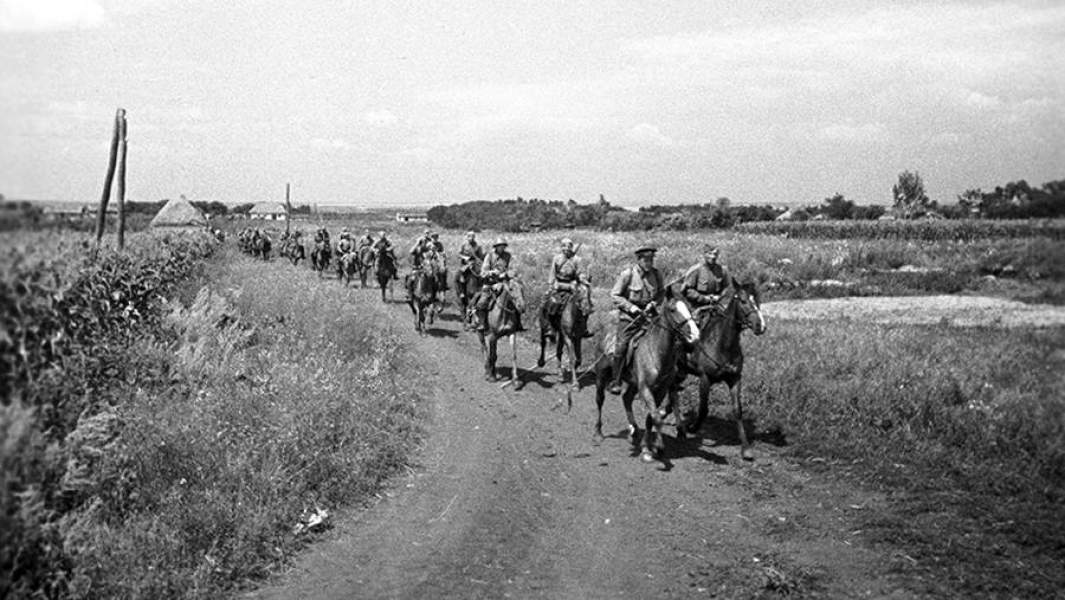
960 311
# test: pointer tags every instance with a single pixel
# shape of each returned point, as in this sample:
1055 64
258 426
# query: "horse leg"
490 358
518 383
543 343
745 447
600 382
654 421
704 402
626 401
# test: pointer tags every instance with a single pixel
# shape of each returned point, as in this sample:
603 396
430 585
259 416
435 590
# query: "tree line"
1015 200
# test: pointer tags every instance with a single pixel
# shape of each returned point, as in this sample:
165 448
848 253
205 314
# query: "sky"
421 103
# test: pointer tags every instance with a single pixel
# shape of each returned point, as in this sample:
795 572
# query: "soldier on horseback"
636 293
472 253
495 270
567 272
383 247
321 235
366 241
706 281
345 244
438 251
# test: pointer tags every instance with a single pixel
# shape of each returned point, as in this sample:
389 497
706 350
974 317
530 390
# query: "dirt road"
512 498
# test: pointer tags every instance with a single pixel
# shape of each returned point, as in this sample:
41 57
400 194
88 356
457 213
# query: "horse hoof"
647 457
540 363
746 454
518 385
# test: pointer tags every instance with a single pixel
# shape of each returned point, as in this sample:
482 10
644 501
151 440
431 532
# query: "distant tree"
910 198
837 207
970 201
869 212
244 208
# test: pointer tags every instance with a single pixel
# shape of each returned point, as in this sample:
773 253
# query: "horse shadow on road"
723 433
674 450
441 333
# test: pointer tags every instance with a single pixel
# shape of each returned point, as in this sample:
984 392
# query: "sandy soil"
512 498
961 311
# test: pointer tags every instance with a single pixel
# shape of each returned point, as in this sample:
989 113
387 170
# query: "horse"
502 321
321 256
261 247
384 269
293 250
421 294
567 323
364 263
467 284
718 358
652 371
347 266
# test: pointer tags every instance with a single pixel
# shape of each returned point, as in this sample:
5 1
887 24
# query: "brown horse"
502 321
467 284
364 264
567 323
384 270
652 371
421 294
718 358
320 257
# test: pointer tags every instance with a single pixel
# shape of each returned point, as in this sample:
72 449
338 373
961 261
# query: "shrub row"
930 230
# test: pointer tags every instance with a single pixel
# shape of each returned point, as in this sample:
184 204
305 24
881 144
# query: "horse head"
749 308
678 317
516 290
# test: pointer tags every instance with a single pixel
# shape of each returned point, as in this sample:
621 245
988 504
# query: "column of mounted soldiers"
637 291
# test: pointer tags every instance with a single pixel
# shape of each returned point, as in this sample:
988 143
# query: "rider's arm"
690 289
617 293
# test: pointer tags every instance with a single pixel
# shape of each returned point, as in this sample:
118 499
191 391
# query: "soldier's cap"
435 235
566 242
428 231
470 234
707 248
645 250
499 242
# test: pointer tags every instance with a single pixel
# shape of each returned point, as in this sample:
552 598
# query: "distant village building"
271 211
412 217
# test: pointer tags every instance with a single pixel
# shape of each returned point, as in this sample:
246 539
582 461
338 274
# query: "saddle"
610 345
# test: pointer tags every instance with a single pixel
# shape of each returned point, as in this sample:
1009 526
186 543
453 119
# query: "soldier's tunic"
701 280
492 269
635 288
474 254
565 272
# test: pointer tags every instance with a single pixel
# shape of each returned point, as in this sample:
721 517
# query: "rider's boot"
481 322
517 324
615 382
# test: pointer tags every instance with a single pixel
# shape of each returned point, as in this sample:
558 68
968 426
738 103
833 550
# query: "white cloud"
379 118
331 143
981 101
50 15
848 132
645 133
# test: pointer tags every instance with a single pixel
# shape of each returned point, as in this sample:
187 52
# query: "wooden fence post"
122 182
101 218
288 210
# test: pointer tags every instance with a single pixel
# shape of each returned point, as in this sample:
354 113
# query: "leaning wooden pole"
101 217
288 211
121 189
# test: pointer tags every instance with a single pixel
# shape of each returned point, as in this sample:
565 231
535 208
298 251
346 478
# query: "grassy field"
173 455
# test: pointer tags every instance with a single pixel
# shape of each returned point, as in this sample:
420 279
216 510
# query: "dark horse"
652 371
567 322
293 250
384 269
502 320
421 294
321 256
260 247
718 358
364 264
467 284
